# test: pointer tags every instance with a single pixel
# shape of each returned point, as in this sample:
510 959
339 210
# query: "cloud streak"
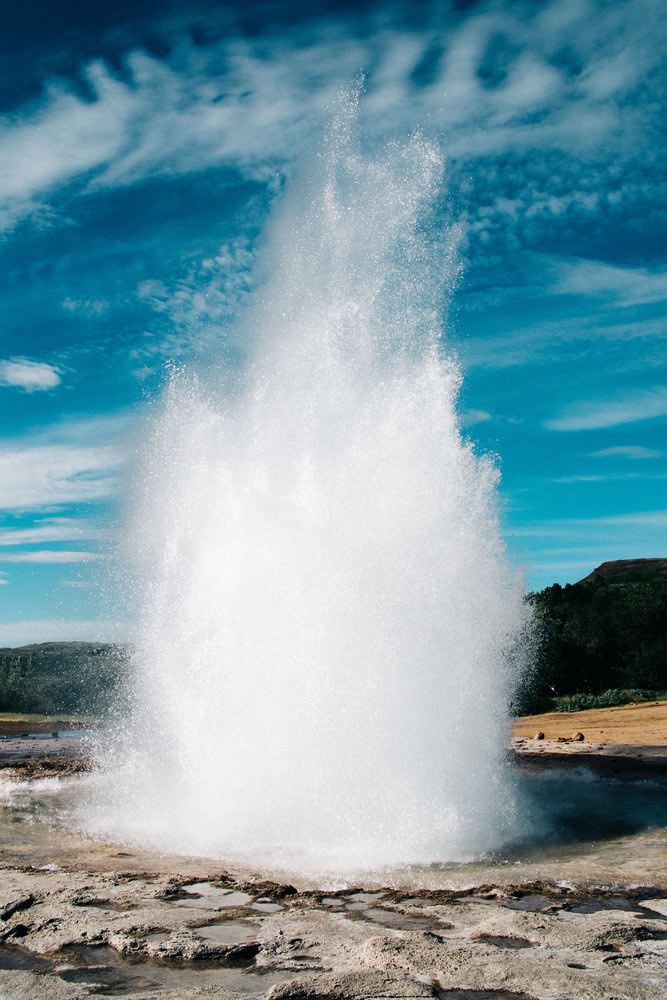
251 102
73 462
51 530
587 527
49 556
629 286
37 477
635 452
644 405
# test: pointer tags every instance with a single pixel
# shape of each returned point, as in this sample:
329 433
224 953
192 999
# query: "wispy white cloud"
568 548
204 299
31 376
251 102
4 579
469 418
608 478
89 308
64 137
629 286
34 476
49 556
580 479
545 341
591 415
75 461
585 528
632 451
56 529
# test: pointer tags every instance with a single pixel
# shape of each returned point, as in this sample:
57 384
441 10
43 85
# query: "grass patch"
607 699
36 717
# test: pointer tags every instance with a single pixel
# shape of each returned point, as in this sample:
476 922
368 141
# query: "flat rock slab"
89 933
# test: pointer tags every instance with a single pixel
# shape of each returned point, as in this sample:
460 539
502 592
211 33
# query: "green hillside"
70 677
608 631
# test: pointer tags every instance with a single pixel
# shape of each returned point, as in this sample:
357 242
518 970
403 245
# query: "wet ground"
581 912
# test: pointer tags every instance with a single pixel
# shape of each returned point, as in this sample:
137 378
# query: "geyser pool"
322 671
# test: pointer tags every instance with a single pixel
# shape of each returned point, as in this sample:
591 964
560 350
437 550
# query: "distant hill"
607 631
48 677
626 570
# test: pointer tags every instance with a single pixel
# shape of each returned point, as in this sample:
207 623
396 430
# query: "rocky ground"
79 919
75 934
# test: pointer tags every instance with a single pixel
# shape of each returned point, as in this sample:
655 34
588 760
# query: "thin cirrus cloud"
31 376
636 452
57 529
629 286
472 417
581 528
70 462
252 101
593 415
564 546
43 476
545 341
49 556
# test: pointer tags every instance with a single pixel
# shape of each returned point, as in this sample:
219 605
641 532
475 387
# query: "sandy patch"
644 723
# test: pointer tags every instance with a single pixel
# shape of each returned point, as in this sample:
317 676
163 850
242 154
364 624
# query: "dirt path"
644 723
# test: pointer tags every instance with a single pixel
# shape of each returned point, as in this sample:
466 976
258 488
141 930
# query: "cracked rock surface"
151 935
79 919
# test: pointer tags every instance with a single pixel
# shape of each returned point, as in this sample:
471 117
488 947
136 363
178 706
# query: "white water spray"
321 677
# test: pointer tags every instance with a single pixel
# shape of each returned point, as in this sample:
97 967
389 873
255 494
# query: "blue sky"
141 149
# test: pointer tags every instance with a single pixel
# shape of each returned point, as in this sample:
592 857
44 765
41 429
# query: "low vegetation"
607 699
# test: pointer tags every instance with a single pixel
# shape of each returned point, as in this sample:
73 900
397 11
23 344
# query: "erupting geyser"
322 673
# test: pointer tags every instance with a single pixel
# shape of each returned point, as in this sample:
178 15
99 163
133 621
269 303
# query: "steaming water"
322 674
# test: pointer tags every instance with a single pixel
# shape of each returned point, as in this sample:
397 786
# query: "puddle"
532 903
603 903
482 995
360 900
107 905
266 907
417 901
112 974
402 921
504 942
205 896
106 980
227 932
22 959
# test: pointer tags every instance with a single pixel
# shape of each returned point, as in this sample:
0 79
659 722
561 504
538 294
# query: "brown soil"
11 727
644 723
